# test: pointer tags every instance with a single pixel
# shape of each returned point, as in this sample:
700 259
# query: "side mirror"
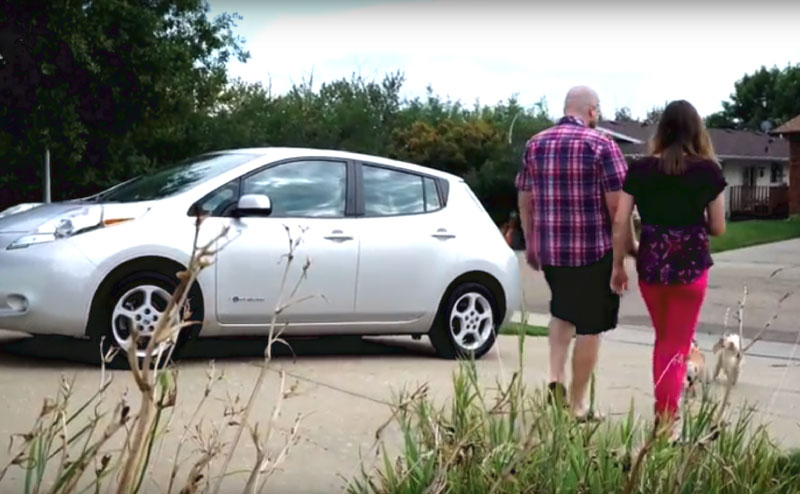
253 205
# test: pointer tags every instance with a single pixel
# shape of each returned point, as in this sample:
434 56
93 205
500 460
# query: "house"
755 165
791 132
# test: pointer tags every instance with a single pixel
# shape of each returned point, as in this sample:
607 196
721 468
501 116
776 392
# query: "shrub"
514 442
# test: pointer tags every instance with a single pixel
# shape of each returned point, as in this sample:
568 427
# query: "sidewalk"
643 335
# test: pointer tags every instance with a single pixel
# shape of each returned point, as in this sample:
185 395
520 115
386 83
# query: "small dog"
729 357
695 369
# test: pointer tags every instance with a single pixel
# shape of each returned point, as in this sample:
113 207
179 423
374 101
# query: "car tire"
131 291
466 325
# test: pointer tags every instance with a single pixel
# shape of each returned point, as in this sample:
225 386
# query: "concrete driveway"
345 386
770 271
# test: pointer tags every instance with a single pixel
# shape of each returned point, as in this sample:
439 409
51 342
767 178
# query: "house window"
776 174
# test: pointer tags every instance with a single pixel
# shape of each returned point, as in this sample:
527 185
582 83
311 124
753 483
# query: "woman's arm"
624 243
716 216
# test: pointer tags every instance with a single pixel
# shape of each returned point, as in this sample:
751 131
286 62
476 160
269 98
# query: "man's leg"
584 359
560 335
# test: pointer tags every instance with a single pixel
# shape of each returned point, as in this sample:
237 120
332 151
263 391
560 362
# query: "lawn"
747 233
514 328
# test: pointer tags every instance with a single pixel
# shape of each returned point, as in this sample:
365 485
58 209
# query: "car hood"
26 218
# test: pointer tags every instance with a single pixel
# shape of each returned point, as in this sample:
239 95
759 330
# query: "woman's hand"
619 279
634 250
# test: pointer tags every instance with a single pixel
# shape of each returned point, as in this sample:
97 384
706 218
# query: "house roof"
790 127
632 138
634 131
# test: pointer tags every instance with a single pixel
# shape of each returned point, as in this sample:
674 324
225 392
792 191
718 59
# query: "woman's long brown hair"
681 134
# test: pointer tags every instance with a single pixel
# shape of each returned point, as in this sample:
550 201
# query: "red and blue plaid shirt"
568 169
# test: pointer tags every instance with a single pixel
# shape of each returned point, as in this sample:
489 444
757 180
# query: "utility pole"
47 175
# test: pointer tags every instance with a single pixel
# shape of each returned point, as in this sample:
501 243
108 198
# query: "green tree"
654 115
624 115
765 95
107 84
719 120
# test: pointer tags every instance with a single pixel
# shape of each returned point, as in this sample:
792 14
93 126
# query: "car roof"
281 153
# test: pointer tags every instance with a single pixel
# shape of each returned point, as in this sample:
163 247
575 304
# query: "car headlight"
67 225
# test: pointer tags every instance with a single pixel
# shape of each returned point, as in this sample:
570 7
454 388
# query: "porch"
758 201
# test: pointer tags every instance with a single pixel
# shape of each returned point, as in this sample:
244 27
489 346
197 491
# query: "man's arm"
524 183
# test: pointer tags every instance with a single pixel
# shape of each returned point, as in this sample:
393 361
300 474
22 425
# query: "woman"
678 192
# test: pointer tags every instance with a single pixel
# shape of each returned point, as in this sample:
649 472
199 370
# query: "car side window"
308 189
432 201
222 200
393 192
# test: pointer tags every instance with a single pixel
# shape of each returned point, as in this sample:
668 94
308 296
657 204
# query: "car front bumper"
44 289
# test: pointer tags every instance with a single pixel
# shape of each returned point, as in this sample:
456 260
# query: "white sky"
633 55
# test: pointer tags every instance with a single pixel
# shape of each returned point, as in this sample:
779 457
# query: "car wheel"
138 301
466 325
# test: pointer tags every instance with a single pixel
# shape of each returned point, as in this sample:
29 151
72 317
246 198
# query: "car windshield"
174 179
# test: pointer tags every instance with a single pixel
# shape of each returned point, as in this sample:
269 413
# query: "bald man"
569 186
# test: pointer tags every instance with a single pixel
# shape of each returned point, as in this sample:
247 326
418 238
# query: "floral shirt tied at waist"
673 254
674 244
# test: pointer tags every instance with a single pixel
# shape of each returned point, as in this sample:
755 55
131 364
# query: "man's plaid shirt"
568 169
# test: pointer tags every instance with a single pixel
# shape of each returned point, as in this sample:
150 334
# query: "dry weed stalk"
211 379
145 371
740 312
769 322
265 465
210 447
274 336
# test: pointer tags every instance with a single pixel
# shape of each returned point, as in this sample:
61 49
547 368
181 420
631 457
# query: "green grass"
741 234
514 329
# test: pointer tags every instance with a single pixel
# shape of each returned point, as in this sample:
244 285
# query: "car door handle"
338 236
442 233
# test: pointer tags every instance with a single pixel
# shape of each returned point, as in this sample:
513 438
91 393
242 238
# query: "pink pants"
674 310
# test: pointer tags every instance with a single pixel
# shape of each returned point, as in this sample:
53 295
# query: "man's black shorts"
583 296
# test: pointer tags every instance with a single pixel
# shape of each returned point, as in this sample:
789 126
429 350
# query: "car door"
408 246
310 198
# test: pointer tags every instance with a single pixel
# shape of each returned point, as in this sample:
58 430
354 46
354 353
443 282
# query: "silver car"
396 249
